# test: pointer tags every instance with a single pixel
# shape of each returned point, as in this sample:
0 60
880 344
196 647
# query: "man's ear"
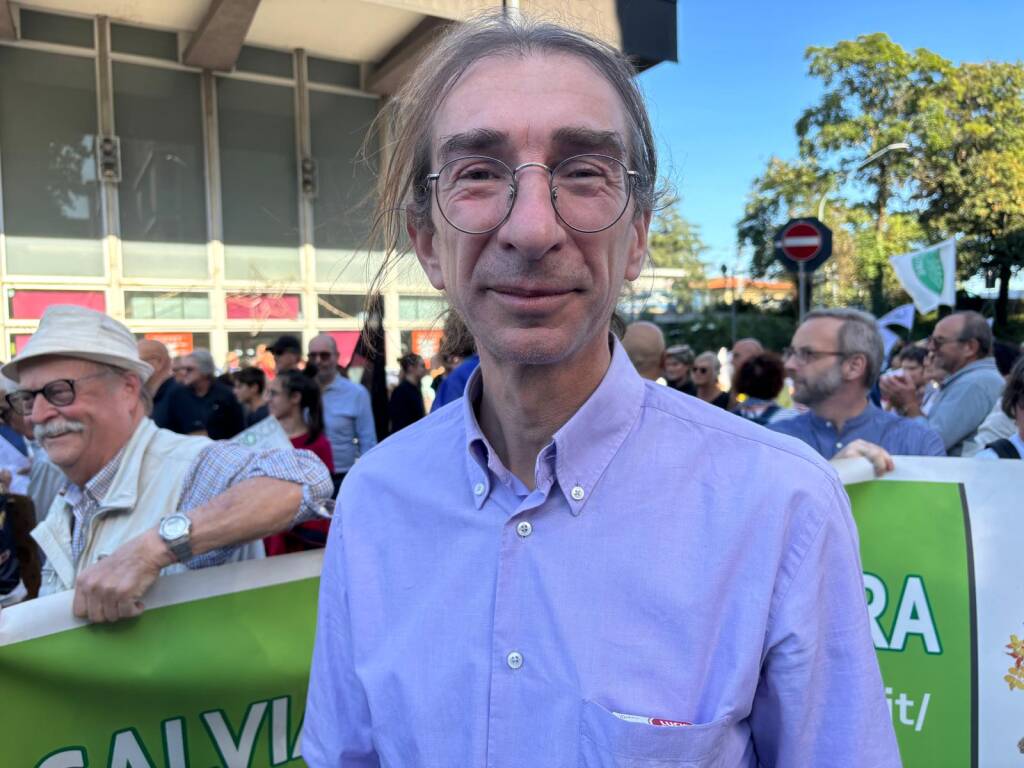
639 228
855 366
421 235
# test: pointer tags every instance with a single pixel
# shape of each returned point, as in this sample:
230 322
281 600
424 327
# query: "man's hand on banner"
112 589
880 459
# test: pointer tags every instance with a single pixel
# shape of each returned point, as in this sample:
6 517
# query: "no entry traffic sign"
805 242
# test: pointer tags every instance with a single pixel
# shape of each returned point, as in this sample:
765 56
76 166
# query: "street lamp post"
732 302
899 145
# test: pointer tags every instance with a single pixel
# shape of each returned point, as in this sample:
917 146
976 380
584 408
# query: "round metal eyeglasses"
589 193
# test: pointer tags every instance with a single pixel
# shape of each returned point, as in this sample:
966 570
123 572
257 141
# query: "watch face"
174 527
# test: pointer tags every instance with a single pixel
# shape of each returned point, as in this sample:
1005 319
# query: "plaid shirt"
219 467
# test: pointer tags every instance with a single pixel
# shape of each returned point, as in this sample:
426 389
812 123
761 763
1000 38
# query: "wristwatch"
176 531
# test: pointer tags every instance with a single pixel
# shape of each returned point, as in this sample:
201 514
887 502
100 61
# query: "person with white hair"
139 501
204 406
706 369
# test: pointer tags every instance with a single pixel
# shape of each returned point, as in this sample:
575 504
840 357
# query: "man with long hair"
561 570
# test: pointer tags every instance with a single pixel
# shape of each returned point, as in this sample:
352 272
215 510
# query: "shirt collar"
985 362
580 450
97 487
869 413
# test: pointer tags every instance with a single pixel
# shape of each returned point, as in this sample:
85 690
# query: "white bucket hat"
84 334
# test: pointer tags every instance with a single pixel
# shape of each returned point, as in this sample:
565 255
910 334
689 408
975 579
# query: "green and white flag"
929 275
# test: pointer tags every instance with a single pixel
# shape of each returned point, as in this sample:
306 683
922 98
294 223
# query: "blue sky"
740 85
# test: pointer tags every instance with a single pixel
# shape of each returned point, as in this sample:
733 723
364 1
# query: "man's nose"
42 410
532 227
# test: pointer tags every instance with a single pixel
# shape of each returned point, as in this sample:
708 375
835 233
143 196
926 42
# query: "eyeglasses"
589 193
700 369
60 393
807 355
936 342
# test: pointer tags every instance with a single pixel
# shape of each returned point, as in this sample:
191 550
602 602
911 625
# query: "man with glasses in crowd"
348 417
962 346
567 553
834 362
139 501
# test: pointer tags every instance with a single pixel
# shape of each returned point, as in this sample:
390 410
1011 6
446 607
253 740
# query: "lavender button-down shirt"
674 562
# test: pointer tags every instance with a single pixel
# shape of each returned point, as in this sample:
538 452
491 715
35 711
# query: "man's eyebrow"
579 139
477 141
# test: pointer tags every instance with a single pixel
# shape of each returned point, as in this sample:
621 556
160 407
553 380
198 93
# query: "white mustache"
56 428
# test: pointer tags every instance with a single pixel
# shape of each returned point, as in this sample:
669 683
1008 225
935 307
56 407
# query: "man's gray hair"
712 358
204 362
976 328
858 335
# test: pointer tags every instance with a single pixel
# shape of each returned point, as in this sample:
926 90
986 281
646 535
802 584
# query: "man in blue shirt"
834 362
348 418
583 582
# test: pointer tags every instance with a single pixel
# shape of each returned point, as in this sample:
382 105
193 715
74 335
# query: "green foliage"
676 243
964 174
712 330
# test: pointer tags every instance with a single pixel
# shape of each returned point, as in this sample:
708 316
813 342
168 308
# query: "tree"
972 178
873 95
676 243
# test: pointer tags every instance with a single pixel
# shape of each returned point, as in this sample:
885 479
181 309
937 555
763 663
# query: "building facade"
205 180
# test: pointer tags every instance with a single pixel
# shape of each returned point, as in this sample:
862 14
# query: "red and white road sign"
801 241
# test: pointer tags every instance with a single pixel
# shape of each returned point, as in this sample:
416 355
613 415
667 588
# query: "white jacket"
147 487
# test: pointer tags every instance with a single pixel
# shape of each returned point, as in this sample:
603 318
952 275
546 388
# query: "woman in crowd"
758 384
295 403
705 377
678 362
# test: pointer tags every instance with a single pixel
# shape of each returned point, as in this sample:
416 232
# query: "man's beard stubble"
814 391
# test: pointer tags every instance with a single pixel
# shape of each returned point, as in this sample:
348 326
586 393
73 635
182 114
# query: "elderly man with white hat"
140 501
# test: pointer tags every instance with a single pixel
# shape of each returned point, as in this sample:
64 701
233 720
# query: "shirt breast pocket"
607 741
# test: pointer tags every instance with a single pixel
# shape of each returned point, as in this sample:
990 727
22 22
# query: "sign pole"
802 246
802 287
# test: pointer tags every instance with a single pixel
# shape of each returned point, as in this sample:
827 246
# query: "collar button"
577 492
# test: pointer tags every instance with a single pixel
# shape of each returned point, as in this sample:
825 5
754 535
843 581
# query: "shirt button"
478 489
524 528
577 492
839 445
514 660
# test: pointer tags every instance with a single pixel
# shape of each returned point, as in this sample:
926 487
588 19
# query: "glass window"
421 307
30 305
53 28
252 348
162 191
143 42
178 343
332 72
341 306
258 181
256 306
343 207
264 61
47 137
160 305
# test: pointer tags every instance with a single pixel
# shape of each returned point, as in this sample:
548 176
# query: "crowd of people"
309 396
952 394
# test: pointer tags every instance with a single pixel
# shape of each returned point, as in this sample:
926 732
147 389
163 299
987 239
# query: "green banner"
914 550
214 674
218 681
